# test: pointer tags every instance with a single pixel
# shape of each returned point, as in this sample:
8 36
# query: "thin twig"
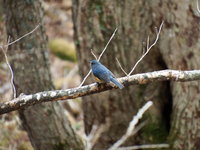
131 126
4 50
107 44
149 48
198 6
93 54
85 78
146 146
140 126
6 47
121 67
21 36
11 72
5 55
99 57
95 134
88 138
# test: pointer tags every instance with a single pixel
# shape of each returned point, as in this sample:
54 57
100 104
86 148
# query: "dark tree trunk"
94 23
46 124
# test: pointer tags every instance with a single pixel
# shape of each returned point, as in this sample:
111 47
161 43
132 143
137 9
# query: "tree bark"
180 49
46 124
94 22
23 101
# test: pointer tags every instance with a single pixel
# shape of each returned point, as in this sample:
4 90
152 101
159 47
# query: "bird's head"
94 62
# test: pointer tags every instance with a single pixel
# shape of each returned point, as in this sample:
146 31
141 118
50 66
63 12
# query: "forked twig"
98 57
21 36
148 48
5 49
131 126
95 134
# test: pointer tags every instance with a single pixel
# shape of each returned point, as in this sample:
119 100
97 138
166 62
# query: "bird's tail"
113 80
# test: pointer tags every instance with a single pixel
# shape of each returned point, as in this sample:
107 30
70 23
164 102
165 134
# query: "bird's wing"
102 73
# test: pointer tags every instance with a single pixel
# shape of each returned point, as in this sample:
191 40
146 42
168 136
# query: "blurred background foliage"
63 49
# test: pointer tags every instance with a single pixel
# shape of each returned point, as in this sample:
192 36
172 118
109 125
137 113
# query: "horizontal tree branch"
27 100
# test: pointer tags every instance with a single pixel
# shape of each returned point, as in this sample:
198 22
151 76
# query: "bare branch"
89 143
93 54
94 135
146 146
21 37
198 6
121 67
4 50
107 44
85 78
98 57
140 126
143 78
149 48
131 126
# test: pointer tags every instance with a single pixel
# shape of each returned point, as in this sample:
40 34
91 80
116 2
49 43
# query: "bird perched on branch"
103 74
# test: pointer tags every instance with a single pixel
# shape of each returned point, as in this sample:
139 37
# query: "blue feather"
103 73
113 80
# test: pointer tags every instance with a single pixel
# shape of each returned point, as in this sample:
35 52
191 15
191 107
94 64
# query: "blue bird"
103 74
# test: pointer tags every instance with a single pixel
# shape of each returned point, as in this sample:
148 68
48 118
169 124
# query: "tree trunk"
94 22
46 124
178 48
